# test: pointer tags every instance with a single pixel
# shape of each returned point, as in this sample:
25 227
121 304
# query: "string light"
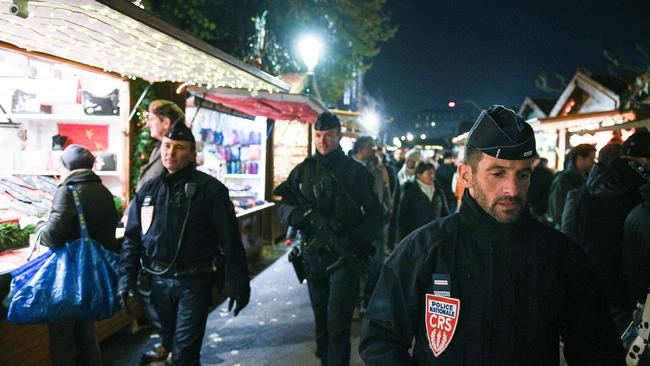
96 32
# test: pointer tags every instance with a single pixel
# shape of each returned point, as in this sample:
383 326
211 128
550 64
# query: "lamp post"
310 48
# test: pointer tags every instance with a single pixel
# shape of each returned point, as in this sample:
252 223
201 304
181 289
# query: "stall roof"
278 106
118 36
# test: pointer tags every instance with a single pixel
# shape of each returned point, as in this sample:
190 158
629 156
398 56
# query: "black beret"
179 131
327 121
503 134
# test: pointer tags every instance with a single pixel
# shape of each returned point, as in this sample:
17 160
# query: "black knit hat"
327 121
503 134
77 157
179 131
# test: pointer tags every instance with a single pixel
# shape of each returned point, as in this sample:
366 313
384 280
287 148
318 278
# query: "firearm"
295 258
325 234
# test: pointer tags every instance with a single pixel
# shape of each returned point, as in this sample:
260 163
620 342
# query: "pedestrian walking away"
330 198
489 285
182 231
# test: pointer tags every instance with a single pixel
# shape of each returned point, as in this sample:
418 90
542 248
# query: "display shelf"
60 117
241 195
109 173
255 209
241 176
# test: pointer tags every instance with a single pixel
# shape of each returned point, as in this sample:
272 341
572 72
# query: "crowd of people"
403 239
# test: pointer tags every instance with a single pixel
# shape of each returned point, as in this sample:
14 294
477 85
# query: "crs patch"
441 319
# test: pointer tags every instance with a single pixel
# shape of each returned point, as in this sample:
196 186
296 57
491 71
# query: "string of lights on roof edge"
188 73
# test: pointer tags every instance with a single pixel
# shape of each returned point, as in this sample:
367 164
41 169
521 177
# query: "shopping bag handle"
83 227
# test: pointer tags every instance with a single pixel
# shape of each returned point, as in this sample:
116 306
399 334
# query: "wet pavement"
277 328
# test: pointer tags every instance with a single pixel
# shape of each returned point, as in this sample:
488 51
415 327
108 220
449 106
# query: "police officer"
161 116
488 285
338 190
181 229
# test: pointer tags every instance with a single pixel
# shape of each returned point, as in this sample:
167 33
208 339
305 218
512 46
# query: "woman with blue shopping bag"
76 283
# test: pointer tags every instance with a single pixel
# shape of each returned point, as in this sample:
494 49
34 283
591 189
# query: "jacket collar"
477 220
79 176
179 175
331 158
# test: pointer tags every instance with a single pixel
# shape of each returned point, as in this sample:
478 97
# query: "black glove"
125 290
240 300
298 216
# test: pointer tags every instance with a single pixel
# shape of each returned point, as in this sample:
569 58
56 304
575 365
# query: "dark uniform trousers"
333 298
183 304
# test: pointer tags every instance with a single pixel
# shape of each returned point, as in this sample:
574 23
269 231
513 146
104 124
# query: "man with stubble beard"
489 285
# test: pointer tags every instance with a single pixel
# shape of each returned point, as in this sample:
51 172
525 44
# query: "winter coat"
540 185
99 210
636 250
520 286
156 217
602 206
415 208
562 183
152 169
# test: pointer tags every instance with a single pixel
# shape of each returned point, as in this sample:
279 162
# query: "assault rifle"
324 234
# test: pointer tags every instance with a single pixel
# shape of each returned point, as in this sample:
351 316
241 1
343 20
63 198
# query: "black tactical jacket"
211 226
521 286
340 189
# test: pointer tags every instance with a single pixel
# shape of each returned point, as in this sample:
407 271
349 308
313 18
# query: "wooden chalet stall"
65 71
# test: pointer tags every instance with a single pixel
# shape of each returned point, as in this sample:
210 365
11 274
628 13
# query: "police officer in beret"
182 230
333 193
488 285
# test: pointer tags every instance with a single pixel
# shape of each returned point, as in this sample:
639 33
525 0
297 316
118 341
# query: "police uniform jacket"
340 189
211 226
520 287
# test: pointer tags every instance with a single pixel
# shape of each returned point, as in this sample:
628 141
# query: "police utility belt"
155 267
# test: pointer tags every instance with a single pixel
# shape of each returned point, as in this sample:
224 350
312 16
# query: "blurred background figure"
444 176
581 159
540 186
421 201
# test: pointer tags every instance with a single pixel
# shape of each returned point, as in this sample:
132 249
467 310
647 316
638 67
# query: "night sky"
490 52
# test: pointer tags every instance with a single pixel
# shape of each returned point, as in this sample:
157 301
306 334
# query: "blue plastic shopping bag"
75 282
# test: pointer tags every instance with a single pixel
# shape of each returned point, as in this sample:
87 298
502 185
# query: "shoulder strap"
83 227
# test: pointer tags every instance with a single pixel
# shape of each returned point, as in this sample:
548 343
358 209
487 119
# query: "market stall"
66 68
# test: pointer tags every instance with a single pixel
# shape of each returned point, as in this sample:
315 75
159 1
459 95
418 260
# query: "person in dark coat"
62 226
540 185
444 176
489 285
602 205
636 249
422 200
581 159
332 188
183 231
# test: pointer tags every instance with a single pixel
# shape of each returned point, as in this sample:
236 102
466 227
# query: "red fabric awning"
269 108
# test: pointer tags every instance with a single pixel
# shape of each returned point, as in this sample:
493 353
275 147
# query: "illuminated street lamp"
310 48
371 120
409 136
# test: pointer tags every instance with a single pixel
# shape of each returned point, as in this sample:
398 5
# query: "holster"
295 258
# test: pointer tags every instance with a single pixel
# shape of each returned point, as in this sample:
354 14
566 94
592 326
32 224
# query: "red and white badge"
441 317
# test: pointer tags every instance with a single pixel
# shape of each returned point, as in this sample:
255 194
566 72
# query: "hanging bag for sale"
75 282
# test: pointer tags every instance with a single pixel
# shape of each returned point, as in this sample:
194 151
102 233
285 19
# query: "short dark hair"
361 142
423 166
582 150
472 156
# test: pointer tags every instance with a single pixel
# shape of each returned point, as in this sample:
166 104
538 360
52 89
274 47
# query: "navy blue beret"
503 134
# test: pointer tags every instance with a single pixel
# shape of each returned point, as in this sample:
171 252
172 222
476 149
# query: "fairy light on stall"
149 53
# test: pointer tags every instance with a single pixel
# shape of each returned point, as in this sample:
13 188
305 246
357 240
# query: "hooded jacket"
99 210
636 250
610 193
520 286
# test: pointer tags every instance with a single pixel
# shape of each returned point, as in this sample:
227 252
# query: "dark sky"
491 51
